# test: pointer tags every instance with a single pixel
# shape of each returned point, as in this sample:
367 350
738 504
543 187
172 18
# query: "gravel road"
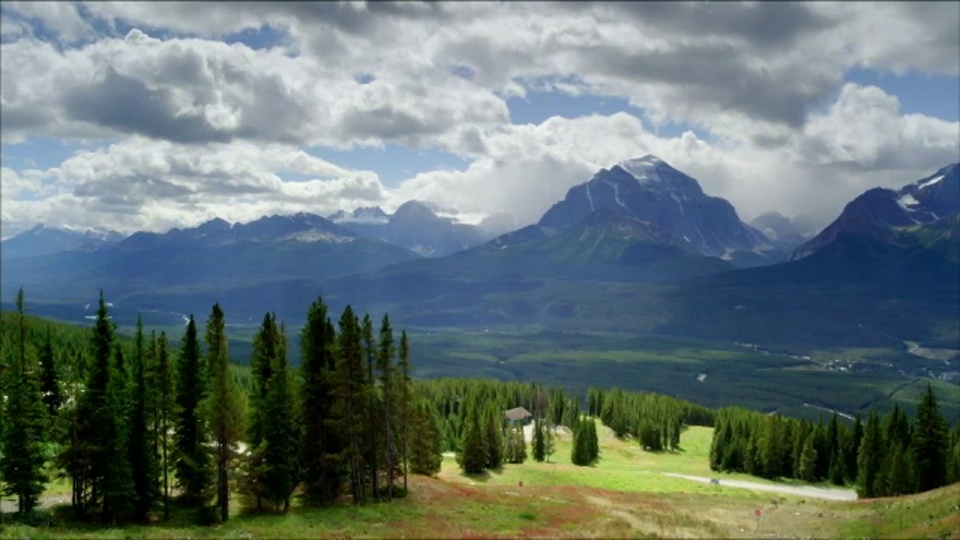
801 491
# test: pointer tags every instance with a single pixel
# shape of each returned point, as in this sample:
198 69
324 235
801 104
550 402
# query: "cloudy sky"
146 116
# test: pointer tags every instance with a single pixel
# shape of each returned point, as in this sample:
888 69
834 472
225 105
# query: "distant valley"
638 249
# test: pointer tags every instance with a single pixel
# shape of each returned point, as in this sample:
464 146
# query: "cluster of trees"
654 421
129 425
886 456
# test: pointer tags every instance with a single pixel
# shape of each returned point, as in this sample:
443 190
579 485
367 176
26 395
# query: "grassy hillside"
624 496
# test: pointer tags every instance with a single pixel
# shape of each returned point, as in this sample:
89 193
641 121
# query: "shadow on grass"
485 476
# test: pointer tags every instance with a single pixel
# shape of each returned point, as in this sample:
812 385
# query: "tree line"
133 424
887 455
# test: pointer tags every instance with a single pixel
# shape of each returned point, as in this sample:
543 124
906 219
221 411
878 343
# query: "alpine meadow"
412 269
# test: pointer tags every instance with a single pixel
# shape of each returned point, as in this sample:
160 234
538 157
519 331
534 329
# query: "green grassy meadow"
624 495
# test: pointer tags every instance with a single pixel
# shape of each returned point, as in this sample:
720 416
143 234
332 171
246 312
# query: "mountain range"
638 248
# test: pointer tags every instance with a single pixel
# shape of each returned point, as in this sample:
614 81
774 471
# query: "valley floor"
627 494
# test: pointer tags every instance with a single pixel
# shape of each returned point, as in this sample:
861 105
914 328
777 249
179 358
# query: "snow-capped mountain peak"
644 168
650 190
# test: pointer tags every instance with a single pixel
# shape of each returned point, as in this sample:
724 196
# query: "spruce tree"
266 345
388 387
191 459
930 443
869 457
49 379
373 416
473 450
21 448
549 440
321 440
166 416
352 394
852 449
425 444
143 457
280 433
85 457
118 482
808 460
593 444
223 408
405 400
494 436
580 452
539 441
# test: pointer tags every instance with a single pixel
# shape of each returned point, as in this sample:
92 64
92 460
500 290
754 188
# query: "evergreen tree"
388 387
21 448
263 361
593 445
425 443
852 449
118 483
494 436
143 457
930 443
84 459
580 452
320 438
280 433
897 474
223 408
405 401
166 416
516 448
352 395
808 460
373 419
539 441
549 440
473 452
869 457
190 457
49 380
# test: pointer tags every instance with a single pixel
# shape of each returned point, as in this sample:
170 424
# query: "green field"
624 495
801 383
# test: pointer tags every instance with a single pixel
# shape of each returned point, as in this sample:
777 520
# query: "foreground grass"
623 496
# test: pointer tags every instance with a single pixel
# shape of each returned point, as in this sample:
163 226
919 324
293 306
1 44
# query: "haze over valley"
378 266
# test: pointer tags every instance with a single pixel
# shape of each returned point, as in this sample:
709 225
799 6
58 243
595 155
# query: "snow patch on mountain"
930 182
643 169
906 201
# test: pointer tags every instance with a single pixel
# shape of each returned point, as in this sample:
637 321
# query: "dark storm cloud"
766 24
128 105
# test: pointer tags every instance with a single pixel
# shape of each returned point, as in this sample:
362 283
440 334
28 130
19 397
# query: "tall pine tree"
388 387
49 378
190 457
22 460
266 345
143 457
166 416
405 396
870 457
321 440
222 408
930 443
280 454
352 395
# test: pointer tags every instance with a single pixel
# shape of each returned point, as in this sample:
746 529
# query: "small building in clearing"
518 415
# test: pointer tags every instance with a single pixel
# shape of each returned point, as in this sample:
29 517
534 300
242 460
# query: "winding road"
801 491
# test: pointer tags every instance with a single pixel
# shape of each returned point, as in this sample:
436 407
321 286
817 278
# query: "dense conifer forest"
133 423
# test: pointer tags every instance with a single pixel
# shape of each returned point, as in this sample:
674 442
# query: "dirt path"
612 509
9 505
801 491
